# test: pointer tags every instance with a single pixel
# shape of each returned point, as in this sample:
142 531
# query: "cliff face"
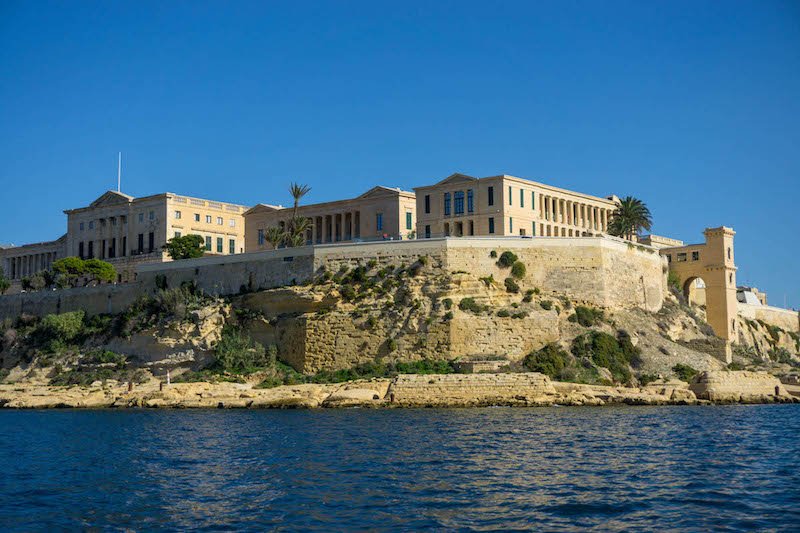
377 313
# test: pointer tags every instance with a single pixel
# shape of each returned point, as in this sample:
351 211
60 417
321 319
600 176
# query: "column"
570 214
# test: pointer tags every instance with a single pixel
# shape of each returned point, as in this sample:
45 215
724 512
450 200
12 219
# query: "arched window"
729 252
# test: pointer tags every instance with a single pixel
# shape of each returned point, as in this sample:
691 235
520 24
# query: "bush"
511 285
469 304
348 293
645 379
448 303
488 280
550 360
503 313
546 305
528 296
447 316
493 254
521 314
54 332
507 259
685 372
518 270
391 345
588 316
604 351
237 353
673 281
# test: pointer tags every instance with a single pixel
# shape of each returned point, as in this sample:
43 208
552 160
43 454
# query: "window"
695 256
510 225
729 252
509 196
261 237
491 224
409 221
427 232
219 245
427 203
81 226
151 241
141 217
141 243
533 229
208 219
91 249
91 224
232 222
447 203
490 195
124 246
152 215
379 221
470 201
471 227
231 246
113 221
521 198
80 250
208 243
669 258
177 234
177 215
219 221
681 257
458 198
124 219
197 217
533 203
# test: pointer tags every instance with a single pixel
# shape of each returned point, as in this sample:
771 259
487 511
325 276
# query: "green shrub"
391 345
511 285
604 351
493 254
372 263
645 379
633 354
469 304
348 293
101 356
588 316
503 313
735 366
448 303
507 259
447 316
528 296
488 280
518 270
546 305
673 280
237 353
55 332
685 372
521 314
549 360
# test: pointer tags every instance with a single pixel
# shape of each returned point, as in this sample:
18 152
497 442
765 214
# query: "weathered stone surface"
739 386
456 390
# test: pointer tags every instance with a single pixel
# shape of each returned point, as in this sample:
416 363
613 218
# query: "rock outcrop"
739 386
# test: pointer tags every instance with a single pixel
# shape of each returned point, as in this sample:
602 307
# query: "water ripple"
622 468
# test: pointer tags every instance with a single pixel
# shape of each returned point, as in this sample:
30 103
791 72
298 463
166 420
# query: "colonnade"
577 214
28 264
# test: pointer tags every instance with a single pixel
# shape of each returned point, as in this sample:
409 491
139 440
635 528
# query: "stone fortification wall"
605 272
785 319
737 386
601 271
471 389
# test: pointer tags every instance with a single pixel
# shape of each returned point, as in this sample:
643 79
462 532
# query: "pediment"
456 178
261 208
380 191
111 198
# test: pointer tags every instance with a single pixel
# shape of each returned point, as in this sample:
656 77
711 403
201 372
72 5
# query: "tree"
37 281
4 283
97 270
185 247
629 218
297 227
275 236
68 270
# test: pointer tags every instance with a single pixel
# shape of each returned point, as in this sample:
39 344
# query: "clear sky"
694 107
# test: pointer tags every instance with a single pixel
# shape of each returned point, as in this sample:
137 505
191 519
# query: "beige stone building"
380 213
127 231
503 205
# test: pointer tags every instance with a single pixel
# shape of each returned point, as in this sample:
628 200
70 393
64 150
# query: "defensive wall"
785 319
602 271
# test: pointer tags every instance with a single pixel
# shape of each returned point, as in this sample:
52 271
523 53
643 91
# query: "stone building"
381 213
126 231
462 205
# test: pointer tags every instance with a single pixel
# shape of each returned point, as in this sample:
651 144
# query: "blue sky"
693 107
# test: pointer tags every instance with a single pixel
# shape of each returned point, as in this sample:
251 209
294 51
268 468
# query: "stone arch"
694 289
713 263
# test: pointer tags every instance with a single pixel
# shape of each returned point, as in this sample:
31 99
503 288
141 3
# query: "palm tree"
275 236
295 240
297 191
629 218
298 226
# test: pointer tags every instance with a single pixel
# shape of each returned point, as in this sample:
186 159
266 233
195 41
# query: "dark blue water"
633 468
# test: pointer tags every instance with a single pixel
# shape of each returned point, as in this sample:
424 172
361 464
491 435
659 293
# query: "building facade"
381 213
126 231
22 261
462 205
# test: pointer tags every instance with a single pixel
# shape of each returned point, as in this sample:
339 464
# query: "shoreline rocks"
407 390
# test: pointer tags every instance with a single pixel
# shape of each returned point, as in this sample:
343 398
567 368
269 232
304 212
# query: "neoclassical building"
379 213
503 205
126 231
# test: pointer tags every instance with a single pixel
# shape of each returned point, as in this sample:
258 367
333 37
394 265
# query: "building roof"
375 192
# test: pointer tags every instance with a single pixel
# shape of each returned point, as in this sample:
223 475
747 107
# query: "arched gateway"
712 263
